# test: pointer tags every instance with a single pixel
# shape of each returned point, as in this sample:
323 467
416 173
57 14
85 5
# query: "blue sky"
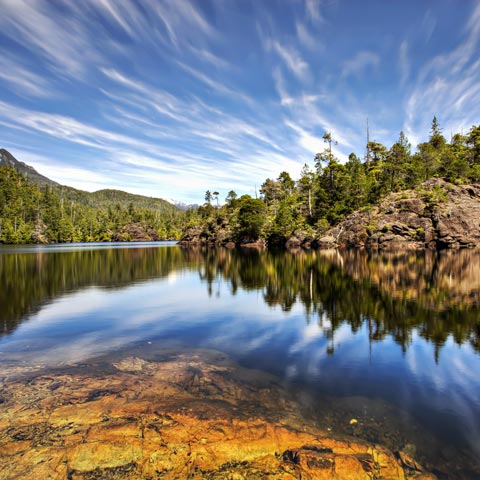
171 98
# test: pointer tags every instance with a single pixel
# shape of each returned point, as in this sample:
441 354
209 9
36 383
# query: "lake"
388 340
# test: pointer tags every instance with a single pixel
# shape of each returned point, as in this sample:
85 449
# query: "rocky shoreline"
191 415
435 215
439 215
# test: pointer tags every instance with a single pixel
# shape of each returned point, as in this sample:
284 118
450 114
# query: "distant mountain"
182 205
101 198
7 159
113 198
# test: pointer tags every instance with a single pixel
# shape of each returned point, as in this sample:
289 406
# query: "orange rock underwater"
186 416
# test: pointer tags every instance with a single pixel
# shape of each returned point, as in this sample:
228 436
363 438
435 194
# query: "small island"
393 199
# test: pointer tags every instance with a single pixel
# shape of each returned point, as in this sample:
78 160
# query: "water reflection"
354 332
32 277
435 295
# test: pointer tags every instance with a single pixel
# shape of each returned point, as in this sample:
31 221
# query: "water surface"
392 339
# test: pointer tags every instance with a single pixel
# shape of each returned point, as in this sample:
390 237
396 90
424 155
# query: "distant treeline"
325 195
30 213
320 198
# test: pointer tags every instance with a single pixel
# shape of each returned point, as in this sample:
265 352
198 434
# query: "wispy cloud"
163 102
182 20
125 14
293 60
360 63
312 143
306 37
63 127
209 57
403 64
216 86
64 45
187 10
446 84
312 10
179 23
23 81
428 25
159 95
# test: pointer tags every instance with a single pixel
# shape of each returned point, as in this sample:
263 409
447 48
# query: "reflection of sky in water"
65 247
178 310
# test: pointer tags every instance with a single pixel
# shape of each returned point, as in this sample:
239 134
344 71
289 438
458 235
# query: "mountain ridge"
8 160
36 210
104 197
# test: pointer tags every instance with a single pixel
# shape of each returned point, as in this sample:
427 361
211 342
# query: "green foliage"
250 219
420 233
109 198
39 214
432 196
322 225
208 197
231 199
324 196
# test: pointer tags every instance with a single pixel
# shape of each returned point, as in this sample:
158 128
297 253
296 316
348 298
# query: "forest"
320 198
32 213
324 195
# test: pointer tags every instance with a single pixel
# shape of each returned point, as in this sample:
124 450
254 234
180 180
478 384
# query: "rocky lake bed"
190 415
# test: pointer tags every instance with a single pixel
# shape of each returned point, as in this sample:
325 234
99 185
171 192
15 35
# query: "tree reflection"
434 294
394 294
30 280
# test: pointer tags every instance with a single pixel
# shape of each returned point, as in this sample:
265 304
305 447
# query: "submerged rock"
185 417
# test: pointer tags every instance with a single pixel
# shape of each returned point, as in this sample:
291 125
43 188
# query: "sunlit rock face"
437 214
186 416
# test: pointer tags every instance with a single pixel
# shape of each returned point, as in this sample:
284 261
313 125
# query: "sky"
170 98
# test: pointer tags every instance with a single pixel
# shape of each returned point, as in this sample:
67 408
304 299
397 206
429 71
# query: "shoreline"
195 415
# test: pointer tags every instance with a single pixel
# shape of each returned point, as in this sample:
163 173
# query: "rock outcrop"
136 232
217 234
214 232
437 214
183 417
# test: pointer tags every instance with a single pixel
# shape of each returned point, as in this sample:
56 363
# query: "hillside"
436 214
34 209
113 198
100 199
8 160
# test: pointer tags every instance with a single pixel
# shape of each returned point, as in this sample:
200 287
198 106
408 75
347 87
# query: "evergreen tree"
251 219
396 164
305 186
